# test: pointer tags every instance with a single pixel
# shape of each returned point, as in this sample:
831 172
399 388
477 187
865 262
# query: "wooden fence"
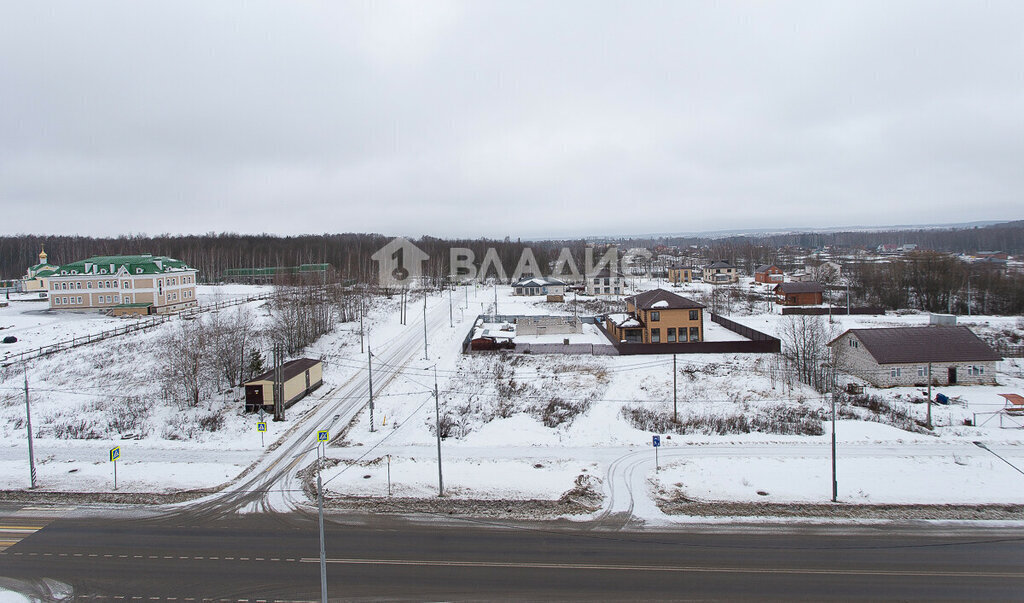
137 325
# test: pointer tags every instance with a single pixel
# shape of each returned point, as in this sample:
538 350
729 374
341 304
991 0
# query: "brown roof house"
658 316
798 294
768 274
905 356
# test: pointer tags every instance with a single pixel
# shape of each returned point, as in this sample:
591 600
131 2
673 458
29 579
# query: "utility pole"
835 483
929 395
28 422
362 310
451 310
847 298
495 300
369 369
320 512
437 431
278 384
675 407
425 356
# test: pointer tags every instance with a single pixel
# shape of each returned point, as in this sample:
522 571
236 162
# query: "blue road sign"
322 436
657 441
261 426
115 453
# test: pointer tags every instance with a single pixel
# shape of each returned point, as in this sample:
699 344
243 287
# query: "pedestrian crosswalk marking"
26 521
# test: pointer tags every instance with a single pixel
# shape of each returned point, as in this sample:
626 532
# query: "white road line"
666 568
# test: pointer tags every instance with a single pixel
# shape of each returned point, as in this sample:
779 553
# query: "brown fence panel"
836 311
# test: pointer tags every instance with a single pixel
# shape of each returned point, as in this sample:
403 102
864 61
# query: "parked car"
10 339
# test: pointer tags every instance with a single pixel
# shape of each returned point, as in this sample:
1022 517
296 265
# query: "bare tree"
184 352
805 348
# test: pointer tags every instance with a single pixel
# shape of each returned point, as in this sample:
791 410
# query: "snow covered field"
503 416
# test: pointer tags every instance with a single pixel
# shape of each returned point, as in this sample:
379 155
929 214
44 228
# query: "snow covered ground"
504 415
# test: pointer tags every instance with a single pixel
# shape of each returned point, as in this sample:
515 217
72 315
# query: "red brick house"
768 274
799 294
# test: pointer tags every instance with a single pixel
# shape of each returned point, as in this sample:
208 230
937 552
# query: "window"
88 285
854 343
694 334
682 334
655 335
126 284
895 371
78 285
56 301
976 370
694 314
655 316
597 281
922 371
116 299
671 335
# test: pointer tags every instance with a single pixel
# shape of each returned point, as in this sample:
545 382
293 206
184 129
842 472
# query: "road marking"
846 571
24 522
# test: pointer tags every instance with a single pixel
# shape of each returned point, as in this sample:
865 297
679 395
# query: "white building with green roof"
137 284
35 278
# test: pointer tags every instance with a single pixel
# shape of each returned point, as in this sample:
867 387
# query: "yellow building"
680 274
658 316
299 378
157 283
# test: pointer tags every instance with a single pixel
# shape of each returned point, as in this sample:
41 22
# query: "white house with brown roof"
904 356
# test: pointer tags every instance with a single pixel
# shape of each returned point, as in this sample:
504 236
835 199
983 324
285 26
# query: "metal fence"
835 311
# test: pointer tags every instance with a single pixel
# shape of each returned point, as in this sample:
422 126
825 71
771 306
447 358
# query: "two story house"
658 316
605 282
721 273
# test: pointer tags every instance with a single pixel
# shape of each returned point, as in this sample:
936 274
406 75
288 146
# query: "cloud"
519 118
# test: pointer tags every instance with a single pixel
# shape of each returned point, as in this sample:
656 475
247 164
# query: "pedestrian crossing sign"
115 453
261 426
322 436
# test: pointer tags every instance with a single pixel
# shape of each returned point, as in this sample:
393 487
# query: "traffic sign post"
115 453
262 428
656 440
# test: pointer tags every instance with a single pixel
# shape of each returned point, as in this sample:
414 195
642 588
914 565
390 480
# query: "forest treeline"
924 280
349 253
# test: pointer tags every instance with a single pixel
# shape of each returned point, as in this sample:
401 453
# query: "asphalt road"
275 556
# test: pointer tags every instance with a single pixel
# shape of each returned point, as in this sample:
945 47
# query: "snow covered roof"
720 265
648 299
539 281
624 320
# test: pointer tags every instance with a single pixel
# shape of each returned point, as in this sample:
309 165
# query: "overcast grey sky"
507 118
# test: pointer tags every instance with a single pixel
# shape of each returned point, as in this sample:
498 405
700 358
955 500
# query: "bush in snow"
784 420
